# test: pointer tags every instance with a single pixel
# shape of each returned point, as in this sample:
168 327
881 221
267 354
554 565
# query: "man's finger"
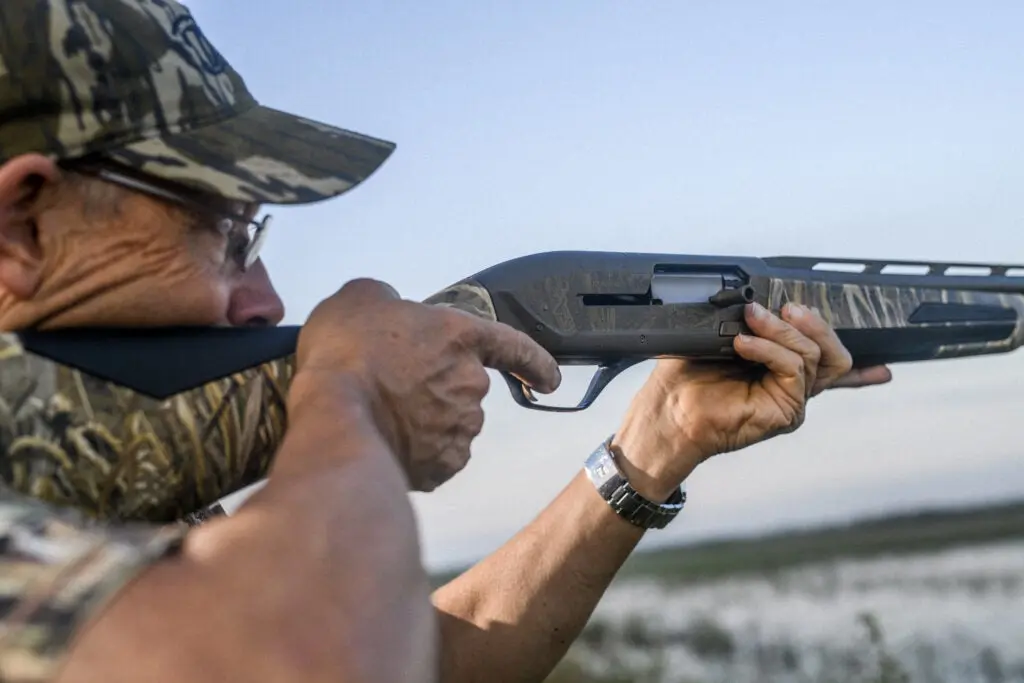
506 349
768 326
863 377
835 358
785 364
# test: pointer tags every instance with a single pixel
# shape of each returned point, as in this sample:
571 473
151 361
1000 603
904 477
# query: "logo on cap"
188 33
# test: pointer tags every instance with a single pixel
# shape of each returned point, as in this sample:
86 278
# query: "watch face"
603 470
604 473
601 467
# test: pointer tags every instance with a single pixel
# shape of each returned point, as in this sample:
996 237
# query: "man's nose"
254 301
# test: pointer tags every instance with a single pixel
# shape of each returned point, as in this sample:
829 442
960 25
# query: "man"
133 163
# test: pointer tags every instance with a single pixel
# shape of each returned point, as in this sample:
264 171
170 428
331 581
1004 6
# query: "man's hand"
690 411
422 369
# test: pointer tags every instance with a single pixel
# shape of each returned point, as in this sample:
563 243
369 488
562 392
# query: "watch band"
610 483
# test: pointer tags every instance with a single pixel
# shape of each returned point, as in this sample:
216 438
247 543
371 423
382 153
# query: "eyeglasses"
246 235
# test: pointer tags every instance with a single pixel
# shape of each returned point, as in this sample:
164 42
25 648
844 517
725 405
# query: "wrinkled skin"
691 411
134 261
425 368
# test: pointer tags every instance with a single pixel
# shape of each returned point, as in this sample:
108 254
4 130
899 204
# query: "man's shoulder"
57 571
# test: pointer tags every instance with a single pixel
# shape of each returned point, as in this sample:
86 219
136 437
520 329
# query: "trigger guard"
524 396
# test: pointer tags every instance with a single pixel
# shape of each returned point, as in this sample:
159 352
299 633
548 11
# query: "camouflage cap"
137 81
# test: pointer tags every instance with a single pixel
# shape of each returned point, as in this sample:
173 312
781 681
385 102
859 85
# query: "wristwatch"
606 476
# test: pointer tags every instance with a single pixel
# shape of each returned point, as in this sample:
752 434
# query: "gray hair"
99 199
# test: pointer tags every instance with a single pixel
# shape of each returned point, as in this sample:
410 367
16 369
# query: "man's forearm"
317 578
513 616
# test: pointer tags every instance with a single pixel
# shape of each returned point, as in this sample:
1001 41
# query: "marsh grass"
906 534
604 656
75 440
853 605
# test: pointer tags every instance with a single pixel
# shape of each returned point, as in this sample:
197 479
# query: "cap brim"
261 155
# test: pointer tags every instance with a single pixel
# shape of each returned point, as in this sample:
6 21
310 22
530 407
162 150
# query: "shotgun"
159 423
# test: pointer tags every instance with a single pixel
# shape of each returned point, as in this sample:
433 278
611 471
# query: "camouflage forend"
73 440
847 306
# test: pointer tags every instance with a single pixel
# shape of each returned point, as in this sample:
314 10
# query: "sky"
759 128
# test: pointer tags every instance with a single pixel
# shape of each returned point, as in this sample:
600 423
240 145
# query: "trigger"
523 394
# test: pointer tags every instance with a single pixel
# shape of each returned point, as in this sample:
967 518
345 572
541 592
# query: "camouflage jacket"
97 482
57 571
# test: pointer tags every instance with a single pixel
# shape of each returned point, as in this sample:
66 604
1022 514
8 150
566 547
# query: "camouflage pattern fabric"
138 82
467 296
82 456
134 82
57 572
73 440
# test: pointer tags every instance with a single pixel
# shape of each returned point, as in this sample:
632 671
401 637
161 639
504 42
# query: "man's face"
76 250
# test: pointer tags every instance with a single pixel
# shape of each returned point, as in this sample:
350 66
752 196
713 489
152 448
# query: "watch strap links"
616 490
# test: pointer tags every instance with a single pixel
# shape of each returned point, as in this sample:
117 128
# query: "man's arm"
317 578
513 616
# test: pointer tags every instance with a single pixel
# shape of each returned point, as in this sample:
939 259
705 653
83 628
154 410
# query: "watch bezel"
603 471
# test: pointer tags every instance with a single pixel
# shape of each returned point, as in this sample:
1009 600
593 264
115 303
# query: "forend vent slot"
901 268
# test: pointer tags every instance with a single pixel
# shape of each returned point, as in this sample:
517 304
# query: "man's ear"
22 181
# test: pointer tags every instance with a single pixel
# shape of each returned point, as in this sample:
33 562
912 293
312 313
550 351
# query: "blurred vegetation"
867 662
638 649
928 531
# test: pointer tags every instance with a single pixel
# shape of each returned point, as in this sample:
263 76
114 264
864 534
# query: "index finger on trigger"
508 350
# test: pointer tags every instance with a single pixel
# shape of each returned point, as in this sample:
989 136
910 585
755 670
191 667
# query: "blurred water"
951 616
